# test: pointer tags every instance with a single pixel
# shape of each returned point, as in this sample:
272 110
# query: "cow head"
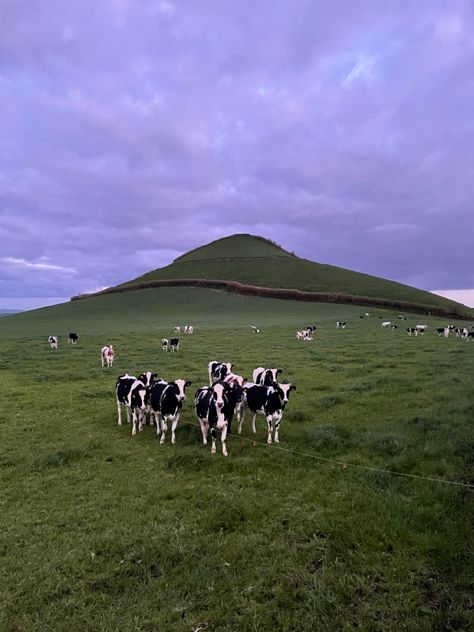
181 384
284 391
218 390
138 396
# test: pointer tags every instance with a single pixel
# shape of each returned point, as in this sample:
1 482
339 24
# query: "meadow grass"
104 531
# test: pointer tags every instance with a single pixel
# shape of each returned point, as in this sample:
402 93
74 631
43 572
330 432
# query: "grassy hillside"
105 531
256 261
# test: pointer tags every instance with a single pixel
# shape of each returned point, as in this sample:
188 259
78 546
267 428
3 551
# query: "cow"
131 393
147 378
387 323
166 400
73 338
393 326
469 335
303 334
412 330
177 330
53 342
269 401
236 383
174 344
214 409
107 355
265 377
165 344
217 371
188 329
443 331
340 324
421 328
255 329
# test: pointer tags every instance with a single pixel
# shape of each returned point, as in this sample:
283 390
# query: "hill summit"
253 265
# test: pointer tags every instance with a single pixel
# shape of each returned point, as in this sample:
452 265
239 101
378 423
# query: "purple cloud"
132 132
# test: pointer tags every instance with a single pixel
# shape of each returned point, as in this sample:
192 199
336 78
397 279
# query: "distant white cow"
386 323
302 335
177 329
107 355
188 329
421 328
53 342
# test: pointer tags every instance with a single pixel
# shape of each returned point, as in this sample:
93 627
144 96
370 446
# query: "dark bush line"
286 294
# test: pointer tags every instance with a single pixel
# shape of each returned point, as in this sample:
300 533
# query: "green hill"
255 261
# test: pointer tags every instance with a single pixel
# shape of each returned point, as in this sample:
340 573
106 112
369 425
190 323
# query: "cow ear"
155 375
279 371
292 387
187 383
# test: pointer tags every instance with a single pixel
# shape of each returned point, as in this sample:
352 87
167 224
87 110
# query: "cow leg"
129 415
173 427
213 440
269 426
254 429
240 419
157 422
204 430
223 438
164 428
119 409
135 422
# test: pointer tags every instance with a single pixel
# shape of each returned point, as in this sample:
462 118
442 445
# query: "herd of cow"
149 398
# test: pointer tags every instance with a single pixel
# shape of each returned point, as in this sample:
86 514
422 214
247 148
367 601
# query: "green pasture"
102 531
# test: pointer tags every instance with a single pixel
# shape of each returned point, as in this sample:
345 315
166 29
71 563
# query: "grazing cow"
131 393
469 335
217 371
254 329
265 377
107 355
311 329
387 323
73 338
392 326
421 328
165 344
166 402
412 330
214 409
269 401
340 324
188 329
458 331
440 330
174 344
177 330
53 342
304 334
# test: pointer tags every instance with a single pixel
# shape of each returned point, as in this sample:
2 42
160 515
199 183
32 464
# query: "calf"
265 377
214 410
269 401
107 355
340 324
412 330
165 344
166 401
53 342
73 338
218 371
131 393
174 344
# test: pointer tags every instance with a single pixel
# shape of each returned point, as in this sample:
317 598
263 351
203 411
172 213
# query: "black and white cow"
174 344
165 344
107 355
214 410
265 377
311 328
421 328
148 379
340 324
188 329
73 338
236 383
131 393
166 402
469 335
218 371
53 342
412 330
269 401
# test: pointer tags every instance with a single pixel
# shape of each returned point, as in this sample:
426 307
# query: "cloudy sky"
134 130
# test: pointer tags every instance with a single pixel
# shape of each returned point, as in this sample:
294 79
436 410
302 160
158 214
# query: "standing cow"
107 355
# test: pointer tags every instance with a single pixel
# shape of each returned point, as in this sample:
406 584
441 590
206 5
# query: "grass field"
104 531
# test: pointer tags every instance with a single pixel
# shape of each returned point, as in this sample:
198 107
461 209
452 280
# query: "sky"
134 130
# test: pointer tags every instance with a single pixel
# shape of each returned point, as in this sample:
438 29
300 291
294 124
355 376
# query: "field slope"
255 261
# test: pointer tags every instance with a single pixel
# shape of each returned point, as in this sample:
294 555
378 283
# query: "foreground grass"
103 531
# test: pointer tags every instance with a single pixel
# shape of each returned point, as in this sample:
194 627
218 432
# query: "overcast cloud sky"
134 130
